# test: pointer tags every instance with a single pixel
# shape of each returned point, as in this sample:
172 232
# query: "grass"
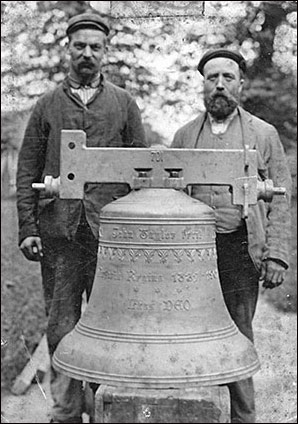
23 318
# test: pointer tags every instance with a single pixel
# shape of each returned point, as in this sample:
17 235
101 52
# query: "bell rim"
157 382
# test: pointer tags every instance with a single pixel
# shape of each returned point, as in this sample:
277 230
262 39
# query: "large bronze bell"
156 317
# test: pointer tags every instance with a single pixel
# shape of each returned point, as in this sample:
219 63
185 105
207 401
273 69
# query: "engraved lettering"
176 305
193 235
143 233
122 233
168 305
156 235
188 277
133 277
108 274
186 305
140 306
156 156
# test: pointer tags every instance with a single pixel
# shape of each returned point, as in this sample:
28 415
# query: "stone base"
194 405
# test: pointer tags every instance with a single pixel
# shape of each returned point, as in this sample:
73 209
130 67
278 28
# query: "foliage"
156 61
12 128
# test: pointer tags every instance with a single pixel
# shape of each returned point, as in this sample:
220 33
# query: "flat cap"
212 54
87 20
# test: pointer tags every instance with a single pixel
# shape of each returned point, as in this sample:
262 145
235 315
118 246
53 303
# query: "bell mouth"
157 364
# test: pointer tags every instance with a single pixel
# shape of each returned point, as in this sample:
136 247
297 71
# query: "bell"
156 317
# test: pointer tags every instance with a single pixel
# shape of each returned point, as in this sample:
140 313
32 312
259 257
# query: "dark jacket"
110 119
268 224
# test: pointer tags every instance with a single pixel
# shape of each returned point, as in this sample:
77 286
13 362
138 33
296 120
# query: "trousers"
68 269
239 281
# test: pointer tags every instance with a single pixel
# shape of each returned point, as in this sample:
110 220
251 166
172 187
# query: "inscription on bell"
122 233
141 306
193 277
109 274
162 233
133 276
167 305
176 305
194 234
156 235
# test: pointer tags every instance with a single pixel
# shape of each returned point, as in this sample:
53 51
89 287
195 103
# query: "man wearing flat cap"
63 234
251 250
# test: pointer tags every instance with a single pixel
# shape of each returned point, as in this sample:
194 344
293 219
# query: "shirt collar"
95 83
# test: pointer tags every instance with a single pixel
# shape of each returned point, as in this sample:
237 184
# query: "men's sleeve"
134 132
278 230
30 167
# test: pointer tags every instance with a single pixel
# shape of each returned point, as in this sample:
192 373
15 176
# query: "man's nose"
87 51
220 84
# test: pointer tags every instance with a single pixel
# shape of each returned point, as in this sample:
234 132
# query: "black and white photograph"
149 212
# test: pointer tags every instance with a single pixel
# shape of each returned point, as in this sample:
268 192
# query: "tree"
156 61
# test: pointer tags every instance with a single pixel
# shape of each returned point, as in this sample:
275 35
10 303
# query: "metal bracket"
155 167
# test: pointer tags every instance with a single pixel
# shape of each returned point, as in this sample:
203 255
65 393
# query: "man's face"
222 87
87 48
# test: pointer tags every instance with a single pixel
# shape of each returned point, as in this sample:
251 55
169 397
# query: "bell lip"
156 382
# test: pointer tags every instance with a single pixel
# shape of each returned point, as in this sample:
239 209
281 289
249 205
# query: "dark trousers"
239 281
68 269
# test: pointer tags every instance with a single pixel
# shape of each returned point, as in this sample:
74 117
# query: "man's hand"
272 274
31 247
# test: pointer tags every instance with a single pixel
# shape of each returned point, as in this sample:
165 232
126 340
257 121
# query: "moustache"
220 96
86 64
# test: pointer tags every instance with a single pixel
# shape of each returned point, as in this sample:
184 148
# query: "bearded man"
251 250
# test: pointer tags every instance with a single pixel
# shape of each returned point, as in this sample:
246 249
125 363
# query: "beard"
220 106
86 68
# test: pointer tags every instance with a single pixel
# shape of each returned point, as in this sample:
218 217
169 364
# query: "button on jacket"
111 118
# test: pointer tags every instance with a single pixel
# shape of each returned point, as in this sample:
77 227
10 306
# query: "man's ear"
66 43
241 85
